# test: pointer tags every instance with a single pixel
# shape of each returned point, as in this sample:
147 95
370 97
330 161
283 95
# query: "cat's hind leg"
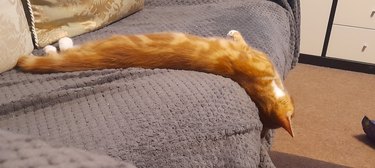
65 43
236 36
49 49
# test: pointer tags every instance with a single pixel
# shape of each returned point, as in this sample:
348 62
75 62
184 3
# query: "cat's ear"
286 123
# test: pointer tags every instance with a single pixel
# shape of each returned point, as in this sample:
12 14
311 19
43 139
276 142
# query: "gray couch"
149 118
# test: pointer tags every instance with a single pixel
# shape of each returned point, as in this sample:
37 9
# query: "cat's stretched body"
229 57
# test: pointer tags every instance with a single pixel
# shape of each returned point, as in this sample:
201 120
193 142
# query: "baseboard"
337 63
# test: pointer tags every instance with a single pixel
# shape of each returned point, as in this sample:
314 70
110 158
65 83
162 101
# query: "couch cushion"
56 19
15 35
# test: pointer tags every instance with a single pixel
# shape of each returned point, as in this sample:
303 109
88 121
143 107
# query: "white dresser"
339 29
353 31
314 22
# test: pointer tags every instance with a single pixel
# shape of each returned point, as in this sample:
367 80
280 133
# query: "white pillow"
15 36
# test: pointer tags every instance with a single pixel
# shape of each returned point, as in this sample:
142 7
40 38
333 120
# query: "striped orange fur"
229 57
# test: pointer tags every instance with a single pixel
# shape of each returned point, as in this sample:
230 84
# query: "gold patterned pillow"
55 19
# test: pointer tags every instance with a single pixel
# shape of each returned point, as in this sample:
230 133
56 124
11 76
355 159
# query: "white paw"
49 49
232 33
65 43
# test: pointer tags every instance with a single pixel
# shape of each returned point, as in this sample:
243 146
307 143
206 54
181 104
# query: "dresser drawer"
359 13
313 30
352 44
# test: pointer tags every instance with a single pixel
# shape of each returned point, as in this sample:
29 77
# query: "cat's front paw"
65 43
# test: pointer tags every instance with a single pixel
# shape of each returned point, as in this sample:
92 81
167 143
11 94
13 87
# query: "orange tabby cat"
230 57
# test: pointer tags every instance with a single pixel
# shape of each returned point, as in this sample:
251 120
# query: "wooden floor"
330 105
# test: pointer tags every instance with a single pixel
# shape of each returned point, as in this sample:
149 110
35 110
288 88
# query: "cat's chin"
271 125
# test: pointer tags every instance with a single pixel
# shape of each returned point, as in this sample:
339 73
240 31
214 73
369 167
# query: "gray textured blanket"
155 118
23 151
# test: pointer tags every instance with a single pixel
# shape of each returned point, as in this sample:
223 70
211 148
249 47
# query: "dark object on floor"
369 128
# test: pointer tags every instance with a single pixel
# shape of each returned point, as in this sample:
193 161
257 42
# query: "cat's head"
280 113
257 74
280 105
284 113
